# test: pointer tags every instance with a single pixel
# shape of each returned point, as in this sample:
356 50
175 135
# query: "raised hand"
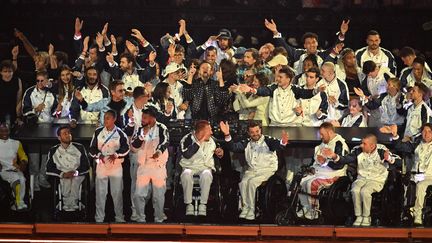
78 25
171 50
219 75
284 137
15 52
131 47
152 56
105 30
113 39
385 129
137 34
359 92
224 127
182 28
338 47
344 26
85 44
271 25
99 39
20 35
50 49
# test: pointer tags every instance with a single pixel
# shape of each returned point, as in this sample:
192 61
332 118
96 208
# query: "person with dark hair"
310 43
13 162
322 176
370 158
11 94
373 52
64 95
418 72
373 85
421 171
92 91
161 98
117 102
108 147
68 161
416 111
129 73
260 153
252 60
198 149
252 107
347 70
309 62
205 95
151 145
283 98
312 111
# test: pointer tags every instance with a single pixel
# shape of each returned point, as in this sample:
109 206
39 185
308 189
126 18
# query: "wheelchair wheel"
392 203
336 202
427 208
274 195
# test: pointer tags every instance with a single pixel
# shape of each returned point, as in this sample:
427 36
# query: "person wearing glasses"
117 102
39 103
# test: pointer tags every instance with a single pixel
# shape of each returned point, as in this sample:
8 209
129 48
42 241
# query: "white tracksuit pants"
70 189
14 178
421 188
112 173
362 190
133 158
187 181
150 182
250 182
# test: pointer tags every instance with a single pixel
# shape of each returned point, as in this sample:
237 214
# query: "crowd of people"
132 95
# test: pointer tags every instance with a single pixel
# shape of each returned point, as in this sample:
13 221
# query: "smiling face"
427 134
311 45
254 133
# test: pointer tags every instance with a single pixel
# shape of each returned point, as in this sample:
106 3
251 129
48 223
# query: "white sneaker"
190 210
119 220
366 221
358 221
244 212
68 208
134 217
418 221
250 215
202 210
311 214
22 206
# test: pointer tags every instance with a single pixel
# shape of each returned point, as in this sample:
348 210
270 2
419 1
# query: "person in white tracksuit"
108 147
421 172
198 148
13 161
371 159
68 161
151 143
323 176
260 153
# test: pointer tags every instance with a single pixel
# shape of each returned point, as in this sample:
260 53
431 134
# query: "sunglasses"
40 80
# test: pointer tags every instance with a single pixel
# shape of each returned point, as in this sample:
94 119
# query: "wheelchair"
215 203
7 196
427 208
80 213
269 196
